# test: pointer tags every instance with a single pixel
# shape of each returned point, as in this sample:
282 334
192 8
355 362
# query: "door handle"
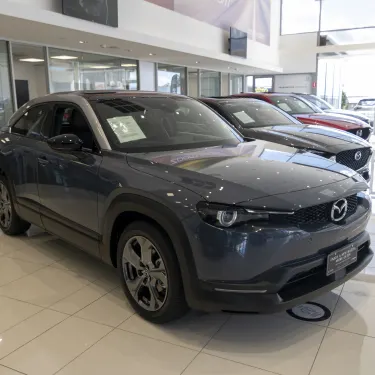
42 160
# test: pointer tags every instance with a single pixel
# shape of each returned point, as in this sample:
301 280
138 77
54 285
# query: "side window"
31 123
68 119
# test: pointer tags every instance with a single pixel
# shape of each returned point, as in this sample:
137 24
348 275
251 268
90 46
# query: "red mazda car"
308 113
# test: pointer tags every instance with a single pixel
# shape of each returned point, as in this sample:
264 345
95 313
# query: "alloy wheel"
5 207
145 273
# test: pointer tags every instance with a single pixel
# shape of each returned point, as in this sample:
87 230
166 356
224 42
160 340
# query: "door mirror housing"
65 142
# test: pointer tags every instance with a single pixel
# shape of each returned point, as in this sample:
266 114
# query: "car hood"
309 137
248 171
347 112
332 119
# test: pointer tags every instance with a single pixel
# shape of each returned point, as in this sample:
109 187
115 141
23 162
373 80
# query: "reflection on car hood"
241 173
344 122
312 137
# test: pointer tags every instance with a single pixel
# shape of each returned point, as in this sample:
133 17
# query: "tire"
10 223
160 297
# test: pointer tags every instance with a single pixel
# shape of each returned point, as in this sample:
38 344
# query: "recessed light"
128 65
129 50
151 54
82 42
197 62
107 46
99 66
64 57
31 59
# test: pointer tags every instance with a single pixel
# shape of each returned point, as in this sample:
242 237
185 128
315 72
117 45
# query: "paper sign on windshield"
244 117
284 107
126 129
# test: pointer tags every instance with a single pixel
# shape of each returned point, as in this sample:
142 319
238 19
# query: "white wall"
298 53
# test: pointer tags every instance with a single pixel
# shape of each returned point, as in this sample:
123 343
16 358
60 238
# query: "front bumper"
285 286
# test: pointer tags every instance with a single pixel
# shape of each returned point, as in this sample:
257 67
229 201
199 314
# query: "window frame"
55 105
41 135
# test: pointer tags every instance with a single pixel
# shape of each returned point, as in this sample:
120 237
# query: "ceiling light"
107 46
128 65
197 62
151 54
64 57
82 42
31 59
99 66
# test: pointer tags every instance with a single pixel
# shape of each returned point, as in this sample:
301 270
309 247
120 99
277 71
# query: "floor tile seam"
78 290
42 333
27 302
158 340
19 278
317 352
200 351
10 368
88 348
354 333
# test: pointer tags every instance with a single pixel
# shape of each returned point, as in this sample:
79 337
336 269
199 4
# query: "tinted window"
256 114
292 105
31 123
159 123
68 119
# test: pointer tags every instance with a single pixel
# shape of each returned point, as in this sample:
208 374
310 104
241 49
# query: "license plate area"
340 259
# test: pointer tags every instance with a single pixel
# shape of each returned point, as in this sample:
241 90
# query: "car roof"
88 94
228 99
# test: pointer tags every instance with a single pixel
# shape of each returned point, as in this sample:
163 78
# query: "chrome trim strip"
240 291
269 212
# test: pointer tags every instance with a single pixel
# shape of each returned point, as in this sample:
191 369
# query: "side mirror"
65 142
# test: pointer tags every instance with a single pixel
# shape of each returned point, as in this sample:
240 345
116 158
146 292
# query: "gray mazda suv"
189 212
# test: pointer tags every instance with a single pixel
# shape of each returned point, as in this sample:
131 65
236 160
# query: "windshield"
292 105
158 123
256 114
320 103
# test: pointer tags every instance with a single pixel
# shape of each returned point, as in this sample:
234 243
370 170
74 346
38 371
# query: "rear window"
157 123
292 105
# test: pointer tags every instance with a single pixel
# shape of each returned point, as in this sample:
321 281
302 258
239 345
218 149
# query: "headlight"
228 216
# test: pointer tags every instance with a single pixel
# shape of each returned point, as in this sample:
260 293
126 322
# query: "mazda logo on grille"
339 210
359 132
358 155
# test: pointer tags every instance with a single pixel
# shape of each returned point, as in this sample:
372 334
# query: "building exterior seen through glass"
171 79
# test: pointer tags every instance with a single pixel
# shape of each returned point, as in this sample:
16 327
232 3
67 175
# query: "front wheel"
10 222
150 273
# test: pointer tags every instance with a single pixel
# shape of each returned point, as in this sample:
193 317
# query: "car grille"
364 133
347 158
319 214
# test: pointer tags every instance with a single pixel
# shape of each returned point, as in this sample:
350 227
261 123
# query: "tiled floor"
62 312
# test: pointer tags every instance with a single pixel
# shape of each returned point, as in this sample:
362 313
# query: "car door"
68 181
19 156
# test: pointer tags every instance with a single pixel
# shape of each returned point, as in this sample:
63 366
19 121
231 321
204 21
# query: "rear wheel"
10 222
150 273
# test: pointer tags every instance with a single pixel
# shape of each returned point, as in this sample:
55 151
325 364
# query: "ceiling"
15 29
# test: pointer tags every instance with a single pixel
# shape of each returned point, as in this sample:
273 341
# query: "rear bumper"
284 286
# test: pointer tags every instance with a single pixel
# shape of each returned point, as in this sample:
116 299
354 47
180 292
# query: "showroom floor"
63 312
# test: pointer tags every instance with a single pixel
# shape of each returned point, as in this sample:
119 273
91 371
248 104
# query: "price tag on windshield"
243 117
126 129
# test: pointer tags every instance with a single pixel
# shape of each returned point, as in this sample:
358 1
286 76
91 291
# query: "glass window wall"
210 83
263 84
249 83
193 82
71 70
171 79
6 102
236 83
30 72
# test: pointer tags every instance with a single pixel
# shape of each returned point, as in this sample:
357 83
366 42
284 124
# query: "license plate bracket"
339 259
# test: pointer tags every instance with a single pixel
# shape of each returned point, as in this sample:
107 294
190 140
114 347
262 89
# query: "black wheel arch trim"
168 220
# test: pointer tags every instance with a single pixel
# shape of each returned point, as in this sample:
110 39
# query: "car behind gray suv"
191 214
